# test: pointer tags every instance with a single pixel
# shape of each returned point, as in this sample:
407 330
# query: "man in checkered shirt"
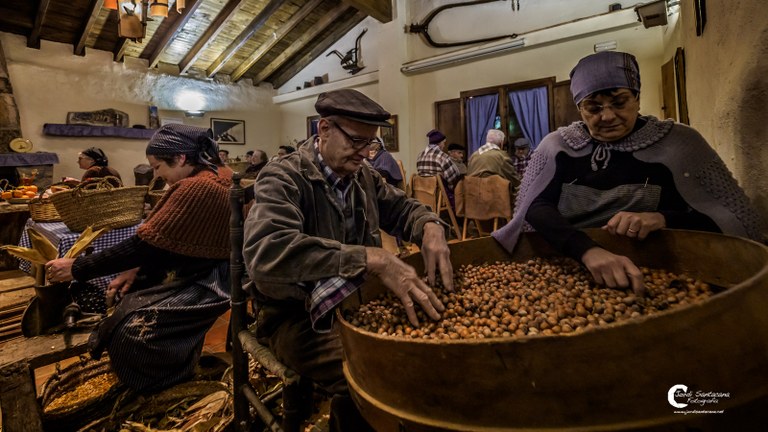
433 161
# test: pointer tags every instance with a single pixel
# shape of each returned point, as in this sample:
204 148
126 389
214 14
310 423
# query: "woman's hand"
403 280
59 270
635 225
613 270
121 284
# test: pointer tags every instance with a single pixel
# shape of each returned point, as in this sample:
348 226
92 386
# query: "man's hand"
635 225
402 280
434 250
121 284
613 270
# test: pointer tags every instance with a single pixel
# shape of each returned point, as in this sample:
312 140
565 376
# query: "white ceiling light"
461 56
605 46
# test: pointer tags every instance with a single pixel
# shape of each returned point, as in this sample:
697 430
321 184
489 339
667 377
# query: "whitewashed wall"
50 82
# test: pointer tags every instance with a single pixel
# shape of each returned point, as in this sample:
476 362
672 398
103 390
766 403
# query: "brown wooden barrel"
610 378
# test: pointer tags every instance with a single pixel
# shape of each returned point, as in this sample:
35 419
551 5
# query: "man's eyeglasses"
357 143
617 105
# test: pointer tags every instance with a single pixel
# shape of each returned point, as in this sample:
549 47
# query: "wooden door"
565 110
448 121
668 93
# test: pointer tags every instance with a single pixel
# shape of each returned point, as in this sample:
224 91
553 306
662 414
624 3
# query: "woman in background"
96 165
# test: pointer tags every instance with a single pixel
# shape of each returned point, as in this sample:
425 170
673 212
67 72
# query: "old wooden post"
10 124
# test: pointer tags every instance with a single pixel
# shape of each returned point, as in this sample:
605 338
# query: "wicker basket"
153 196
99 204
42 209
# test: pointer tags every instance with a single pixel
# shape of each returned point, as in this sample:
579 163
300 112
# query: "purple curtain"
532 110
481 115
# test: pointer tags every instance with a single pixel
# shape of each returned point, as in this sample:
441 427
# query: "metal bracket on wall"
423 27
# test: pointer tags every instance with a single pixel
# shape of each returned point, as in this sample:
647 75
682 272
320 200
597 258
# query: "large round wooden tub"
615 377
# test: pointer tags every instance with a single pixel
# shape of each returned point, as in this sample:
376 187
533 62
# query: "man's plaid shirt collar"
486 147
340 184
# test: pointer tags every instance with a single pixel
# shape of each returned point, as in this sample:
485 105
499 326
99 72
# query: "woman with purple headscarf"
175 272
623 172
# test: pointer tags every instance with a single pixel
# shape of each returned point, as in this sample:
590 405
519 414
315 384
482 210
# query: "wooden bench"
18 360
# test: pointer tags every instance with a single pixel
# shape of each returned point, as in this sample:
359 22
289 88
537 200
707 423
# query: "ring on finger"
631 231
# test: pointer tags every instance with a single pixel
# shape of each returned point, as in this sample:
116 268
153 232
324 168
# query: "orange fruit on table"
32 188
7 195
18 193
30 194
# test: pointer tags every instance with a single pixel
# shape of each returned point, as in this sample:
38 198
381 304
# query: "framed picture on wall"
312 125
389 135
228 131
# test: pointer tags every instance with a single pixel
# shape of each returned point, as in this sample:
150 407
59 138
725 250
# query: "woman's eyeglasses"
357 143
617 105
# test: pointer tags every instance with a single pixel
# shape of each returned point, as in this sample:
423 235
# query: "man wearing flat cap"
433 161
313 236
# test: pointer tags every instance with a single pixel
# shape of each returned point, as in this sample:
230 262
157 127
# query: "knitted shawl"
192 218
699 174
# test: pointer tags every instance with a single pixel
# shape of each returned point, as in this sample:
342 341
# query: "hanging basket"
99 204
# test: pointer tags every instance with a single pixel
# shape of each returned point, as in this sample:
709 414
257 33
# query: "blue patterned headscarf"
177 139
602 71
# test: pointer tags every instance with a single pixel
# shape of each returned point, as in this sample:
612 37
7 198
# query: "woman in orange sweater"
174 280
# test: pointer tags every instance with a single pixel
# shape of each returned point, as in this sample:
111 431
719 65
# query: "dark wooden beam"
328 19
96 6
279 34
210 34
257 23
379 9
298 64
33 41
119 52
174 30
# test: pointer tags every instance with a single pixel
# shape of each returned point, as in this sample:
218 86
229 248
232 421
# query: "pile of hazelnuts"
538 297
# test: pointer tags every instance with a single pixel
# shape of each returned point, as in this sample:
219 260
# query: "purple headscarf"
176 139
602 71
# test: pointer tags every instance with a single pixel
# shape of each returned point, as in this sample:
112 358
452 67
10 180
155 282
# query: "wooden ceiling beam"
327 20
254 26
33 41
213 30
95 9
298 64
279 35
118 53
174 30
379 9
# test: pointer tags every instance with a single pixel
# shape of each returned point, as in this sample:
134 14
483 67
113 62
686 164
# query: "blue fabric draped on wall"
481 114
532 110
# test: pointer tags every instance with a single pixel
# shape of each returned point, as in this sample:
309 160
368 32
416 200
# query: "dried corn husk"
28 254
86 238
41 244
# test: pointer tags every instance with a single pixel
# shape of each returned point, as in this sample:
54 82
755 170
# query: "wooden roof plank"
302 41
95 9
227 12
119 52
174 31
279 34
298 64
257 22
33 41
379 9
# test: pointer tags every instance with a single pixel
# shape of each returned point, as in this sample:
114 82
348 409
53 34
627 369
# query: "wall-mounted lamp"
194 113
461 56
606 46
192 102
652 14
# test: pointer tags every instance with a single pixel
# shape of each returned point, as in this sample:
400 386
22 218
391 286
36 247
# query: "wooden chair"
431 192
483 199
404 186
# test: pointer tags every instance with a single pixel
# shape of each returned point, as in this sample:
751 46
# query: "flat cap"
522 142
455 146
353 105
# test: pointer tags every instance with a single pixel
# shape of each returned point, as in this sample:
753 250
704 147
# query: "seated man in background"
491 159
522 155
433 161
258 160
312 237
456 152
